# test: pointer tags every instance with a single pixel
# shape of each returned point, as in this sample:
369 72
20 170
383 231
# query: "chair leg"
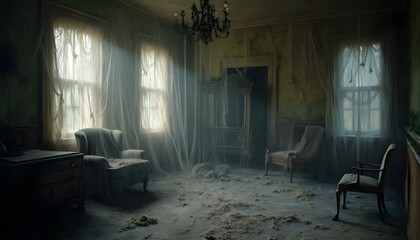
379 199
383 203
345 200
337 197
266 168
291 169
145 181
267 162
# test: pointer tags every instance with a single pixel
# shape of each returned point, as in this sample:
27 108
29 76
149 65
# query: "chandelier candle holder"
205 23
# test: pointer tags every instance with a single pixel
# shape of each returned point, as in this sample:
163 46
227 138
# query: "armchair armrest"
360 171
131 153
82 142
90 160
368 164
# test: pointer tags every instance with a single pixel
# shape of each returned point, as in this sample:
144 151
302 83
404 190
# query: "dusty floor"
221 204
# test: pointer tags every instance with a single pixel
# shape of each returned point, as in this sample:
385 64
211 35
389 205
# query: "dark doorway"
259 104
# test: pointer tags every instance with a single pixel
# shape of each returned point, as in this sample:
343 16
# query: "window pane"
79 68
375 101
375 123
361 66
364 100
347 101
153 67
77 54
153 81
360 73
348 120
364 119
347 67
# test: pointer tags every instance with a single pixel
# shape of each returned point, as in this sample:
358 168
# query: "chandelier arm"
205 23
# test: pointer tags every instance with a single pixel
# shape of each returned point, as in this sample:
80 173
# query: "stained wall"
303 53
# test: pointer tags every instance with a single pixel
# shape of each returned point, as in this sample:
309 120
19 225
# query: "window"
78 53
360 89
153 77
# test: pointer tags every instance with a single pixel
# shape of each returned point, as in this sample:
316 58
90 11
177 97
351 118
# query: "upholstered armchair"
110 169
303 153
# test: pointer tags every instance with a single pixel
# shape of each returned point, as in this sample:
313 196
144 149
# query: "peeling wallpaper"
300 94
272 40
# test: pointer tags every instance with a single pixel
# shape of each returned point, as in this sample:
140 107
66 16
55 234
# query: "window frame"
79 85
356 130
142 90
82 85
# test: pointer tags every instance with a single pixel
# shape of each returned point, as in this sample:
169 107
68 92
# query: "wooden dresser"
40 179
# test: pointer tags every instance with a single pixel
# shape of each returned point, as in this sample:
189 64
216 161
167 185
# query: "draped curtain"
72 52
146 84
92 79
153 72
363 100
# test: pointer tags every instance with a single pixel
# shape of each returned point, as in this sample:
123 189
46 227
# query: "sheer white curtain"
153 78
138 82
73 74
167 111
363 100
360 90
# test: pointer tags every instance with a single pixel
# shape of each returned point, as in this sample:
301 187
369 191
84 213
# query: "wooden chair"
365 184
303 153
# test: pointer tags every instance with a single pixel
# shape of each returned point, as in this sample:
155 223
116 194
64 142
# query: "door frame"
260 61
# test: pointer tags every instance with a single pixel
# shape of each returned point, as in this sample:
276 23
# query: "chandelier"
205 23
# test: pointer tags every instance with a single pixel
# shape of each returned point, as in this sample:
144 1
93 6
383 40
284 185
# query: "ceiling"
251 13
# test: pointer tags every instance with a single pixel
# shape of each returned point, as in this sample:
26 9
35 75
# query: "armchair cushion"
366 184
120 163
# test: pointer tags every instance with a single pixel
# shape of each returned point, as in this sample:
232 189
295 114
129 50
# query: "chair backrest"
99 141
385 163
310 143
288 135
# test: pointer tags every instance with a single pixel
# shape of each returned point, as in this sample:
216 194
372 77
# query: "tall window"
153 77
360 86
78 53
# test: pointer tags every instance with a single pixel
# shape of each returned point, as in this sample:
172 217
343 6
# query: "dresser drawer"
43 168
22 183
55 194
41 179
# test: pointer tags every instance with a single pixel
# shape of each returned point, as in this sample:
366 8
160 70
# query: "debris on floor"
134 222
